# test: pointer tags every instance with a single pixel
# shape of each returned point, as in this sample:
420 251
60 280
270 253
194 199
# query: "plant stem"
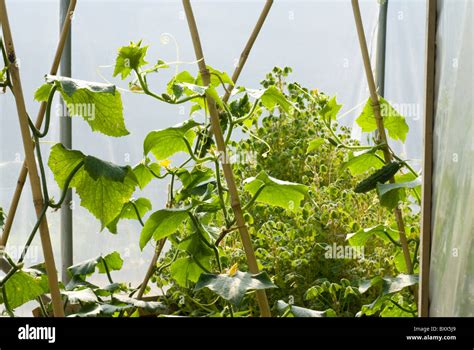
6 303
221 193
151 268
42 307
107 271
253 199
33 233
33 128
137 213
66 186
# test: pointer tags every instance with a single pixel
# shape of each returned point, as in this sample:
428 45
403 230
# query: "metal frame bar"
65 137
426 202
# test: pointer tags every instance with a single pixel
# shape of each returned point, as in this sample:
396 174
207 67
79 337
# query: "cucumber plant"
401 193
198 212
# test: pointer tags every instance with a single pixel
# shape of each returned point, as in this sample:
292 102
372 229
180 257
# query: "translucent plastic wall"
452 255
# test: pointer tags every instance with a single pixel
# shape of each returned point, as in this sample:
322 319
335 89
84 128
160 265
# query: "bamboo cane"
151 268
380 125
226 166
31 163
39 121
245 53
235 76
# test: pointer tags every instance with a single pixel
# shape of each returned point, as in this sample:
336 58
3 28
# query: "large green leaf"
394 123
185 270
129 58
143 206
284 194
166 142
162 223
233 288
113 260
102 186
21 288
298 311
99 104
389 285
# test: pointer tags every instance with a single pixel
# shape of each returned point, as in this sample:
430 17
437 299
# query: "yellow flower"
165 163
233 270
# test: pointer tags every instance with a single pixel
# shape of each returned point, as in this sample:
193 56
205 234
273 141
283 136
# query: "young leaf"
144 175
129 58
42 94
113 260
102 186
175 87
360 237
99 104
143 206
217 78
315 144
162 223
330 109
394 123
166 142
233 288
363 162
272 97
284 194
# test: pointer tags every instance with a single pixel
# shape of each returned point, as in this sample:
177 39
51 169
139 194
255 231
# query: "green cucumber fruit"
380 176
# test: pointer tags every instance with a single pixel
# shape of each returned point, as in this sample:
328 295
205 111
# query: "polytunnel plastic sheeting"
452 252
405 71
